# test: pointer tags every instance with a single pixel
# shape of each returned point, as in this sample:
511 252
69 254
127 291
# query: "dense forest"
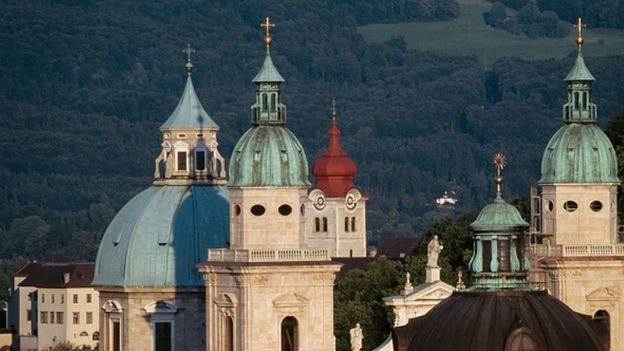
597 13
85 84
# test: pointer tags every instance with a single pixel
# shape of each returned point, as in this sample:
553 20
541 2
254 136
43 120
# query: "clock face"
319 201
350 201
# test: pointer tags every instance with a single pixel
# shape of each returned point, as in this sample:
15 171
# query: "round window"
551 206
595 206
284 210
570 206
237 210
257 210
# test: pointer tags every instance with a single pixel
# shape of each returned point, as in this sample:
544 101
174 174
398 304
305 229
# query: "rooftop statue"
433 252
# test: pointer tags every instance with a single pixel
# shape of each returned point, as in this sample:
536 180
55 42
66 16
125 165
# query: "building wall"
260 296
260 231
60 301
588 285
583 225
338 237
136 323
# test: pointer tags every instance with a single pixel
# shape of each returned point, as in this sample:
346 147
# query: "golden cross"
188 51
267 25
579 26
333 107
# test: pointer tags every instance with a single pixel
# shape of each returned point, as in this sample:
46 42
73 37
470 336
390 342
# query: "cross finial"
333 109
579 27
267 25
188 51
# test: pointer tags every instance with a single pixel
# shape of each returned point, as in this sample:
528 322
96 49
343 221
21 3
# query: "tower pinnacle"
267 25
499 161
188 51
579 37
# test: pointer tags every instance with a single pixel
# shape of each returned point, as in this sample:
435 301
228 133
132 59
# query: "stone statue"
164 154
408 288
216 157
356 337
433 251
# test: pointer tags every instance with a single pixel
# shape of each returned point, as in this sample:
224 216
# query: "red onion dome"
335 170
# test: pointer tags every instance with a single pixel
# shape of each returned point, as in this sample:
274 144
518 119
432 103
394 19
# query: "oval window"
237 210
570 206
284 210
551 205
257 210
595 206
302 209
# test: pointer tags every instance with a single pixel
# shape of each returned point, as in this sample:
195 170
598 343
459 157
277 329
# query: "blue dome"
161 234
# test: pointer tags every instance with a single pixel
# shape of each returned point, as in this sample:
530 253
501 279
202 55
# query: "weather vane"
267 25
333 109
188 51
579 37
499 161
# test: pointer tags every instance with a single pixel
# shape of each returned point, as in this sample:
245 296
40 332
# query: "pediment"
435 291
290 300
604 293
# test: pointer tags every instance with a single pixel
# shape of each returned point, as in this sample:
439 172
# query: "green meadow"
468 35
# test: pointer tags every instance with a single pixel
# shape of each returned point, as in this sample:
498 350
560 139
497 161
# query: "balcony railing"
578 250
228 255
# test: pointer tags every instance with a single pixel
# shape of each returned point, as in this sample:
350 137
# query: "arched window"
273 102
584 100
602 321
325 224
113 328
228 339
347 224
576 100
200 160
290 334
521 340
265 102
352 224
317 224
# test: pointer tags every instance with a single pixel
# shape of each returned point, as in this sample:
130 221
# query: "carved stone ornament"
350 201
319 201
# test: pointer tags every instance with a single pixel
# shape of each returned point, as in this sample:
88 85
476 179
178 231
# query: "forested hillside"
84 86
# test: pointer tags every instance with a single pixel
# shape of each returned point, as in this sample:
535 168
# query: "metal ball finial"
579 36
189 65
267 25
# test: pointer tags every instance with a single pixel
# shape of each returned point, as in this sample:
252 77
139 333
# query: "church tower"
579 170
337 209
268 291
579 259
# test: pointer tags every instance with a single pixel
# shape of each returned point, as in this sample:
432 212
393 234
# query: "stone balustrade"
240 255
577 250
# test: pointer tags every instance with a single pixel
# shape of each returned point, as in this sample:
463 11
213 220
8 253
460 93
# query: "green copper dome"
579 153
268 155
499 216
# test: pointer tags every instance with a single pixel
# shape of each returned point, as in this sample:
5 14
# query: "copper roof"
52 275
484 321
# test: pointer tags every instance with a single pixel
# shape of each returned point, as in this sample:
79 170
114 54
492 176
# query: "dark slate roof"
469 321
398 247
27 269
52 275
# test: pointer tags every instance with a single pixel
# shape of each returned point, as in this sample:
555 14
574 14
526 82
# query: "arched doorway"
290 334
602 322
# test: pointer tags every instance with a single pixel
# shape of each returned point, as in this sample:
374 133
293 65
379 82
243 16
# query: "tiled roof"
398 247
53 275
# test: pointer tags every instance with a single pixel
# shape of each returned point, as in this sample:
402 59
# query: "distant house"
397 248
55 302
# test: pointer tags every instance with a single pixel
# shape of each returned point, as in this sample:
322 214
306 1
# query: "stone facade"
138 309
337 223
255 298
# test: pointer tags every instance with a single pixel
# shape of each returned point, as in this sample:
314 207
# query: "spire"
499 161
335 170
268 108
579 108
189 113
